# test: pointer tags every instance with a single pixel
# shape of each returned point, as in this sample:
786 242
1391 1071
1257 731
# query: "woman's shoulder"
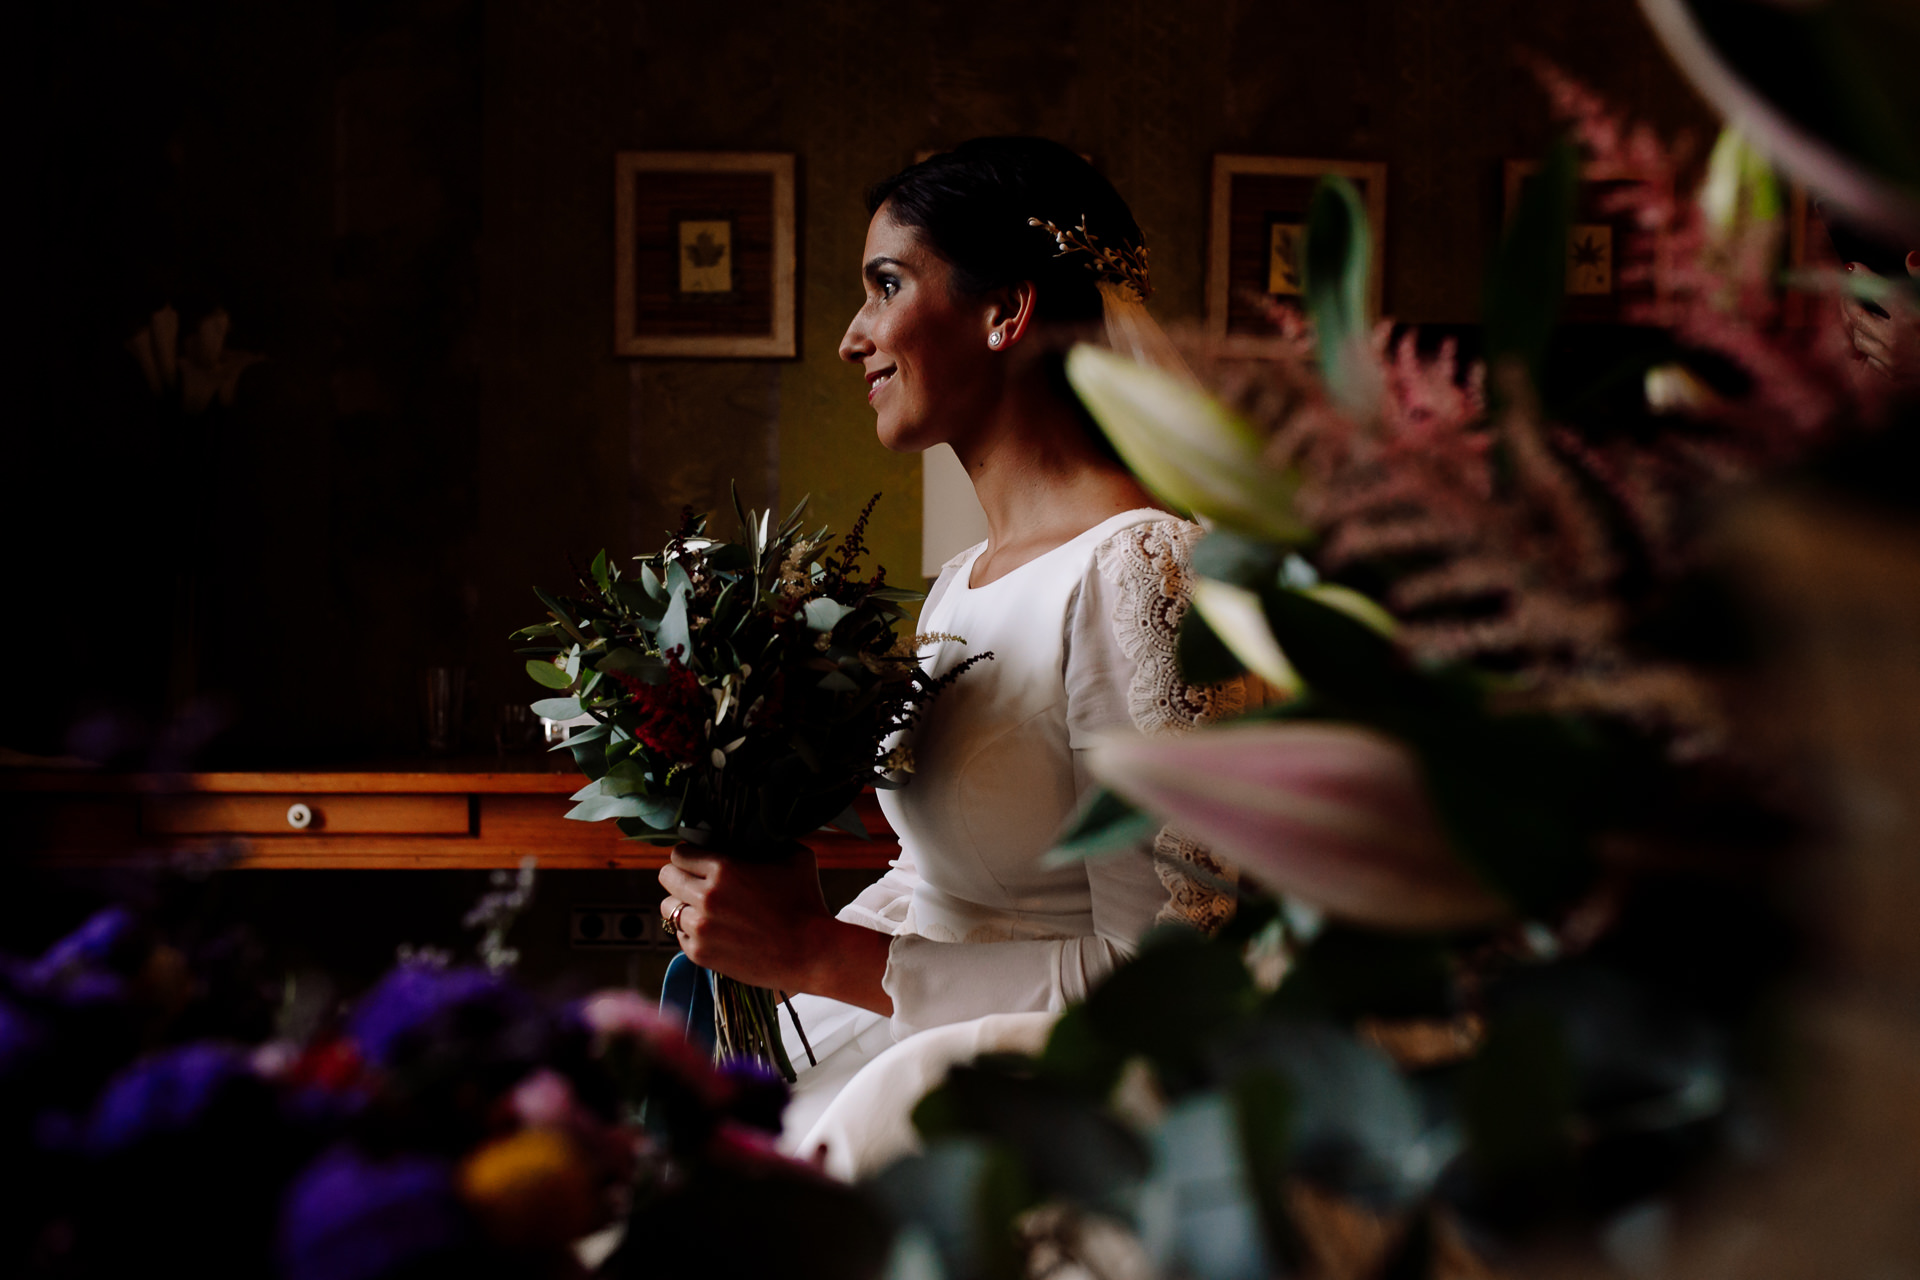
1150 554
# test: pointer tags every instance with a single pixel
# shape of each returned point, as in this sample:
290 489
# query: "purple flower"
412 1000
87 967
348 1217
171 1093
105 941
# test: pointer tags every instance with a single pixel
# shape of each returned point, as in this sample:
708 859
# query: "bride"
980 264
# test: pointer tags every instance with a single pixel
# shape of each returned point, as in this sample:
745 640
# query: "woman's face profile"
923 350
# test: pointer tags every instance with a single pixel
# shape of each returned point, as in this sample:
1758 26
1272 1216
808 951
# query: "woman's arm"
767 925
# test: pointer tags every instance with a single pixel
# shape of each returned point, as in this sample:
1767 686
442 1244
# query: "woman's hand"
750 921
767 925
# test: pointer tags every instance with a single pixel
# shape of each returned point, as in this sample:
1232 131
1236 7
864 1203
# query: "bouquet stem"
747 1025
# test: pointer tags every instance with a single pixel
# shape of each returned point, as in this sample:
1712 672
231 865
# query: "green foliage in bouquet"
741 694
740 691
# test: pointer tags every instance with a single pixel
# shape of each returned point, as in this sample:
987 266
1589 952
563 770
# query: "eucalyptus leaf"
964 1193
644 667
676 640
636 598
557 708
1104 824
651 584
1175 995
823 614
549 675
678 583
586 735
599 808
599 571
1207 1226
1355 1125
563 617
1263 1106
1067 1145
849 822
638 829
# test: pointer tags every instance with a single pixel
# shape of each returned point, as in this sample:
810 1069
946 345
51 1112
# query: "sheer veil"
1132 332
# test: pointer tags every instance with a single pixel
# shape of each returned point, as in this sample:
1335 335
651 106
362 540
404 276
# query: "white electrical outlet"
619 927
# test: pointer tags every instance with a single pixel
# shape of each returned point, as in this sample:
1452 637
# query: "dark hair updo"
971 205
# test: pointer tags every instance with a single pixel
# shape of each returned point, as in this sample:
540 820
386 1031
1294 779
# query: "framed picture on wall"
1258 229
1595 292
704 254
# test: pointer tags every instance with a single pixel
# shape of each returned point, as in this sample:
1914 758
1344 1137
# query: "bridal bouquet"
742 695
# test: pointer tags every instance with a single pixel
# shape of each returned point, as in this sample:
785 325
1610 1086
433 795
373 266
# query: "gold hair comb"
1125 265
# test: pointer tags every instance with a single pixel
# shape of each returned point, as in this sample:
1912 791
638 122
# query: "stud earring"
993 339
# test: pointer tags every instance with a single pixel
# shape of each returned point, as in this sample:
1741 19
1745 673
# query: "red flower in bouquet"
669 715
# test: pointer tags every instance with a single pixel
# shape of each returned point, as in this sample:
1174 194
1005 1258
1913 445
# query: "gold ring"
673 921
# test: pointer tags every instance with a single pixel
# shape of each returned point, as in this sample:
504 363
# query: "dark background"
407 208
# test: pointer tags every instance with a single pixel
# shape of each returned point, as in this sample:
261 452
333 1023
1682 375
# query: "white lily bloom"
1333 815
1234 614
1185 445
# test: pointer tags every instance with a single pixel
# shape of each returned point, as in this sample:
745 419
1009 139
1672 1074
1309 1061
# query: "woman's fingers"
689 859
683 884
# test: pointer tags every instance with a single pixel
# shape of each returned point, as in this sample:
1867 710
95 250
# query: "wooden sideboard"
344 820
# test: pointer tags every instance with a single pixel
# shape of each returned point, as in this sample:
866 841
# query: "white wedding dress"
990 944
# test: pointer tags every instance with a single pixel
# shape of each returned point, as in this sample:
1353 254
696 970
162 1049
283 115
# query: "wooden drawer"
297 815
413 820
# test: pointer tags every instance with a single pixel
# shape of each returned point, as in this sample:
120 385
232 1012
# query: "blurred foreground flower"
1328 814
1184 445
531 1189
349 1217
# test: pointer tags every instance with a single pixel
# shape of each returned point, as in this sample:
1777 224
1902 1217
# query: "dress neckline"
1112 524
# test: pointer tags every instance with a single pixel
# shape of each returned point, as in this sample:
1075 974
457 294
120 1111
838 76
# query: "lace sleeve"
1147 567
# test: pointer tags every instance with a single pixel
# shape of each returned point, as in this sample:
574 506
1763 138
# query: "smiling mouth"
877 381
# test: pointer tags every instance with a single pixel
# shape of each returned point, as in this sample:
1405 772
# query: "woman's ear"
1011 315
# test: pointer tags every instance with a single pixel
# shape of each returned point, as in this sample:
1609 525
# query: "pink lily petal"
1329 814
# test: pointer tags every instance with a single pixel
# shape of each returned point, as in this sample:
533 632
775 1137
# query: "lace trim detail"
1198 884
1149 565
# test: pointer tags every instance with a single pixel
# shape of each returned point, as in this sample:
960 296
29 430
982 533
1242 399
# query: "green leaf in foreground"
1105 824
548 674
1339 254
1528 280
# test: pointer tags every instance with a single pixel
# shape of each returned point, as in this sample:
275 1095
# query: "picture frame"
1595 294
1256 225
704 263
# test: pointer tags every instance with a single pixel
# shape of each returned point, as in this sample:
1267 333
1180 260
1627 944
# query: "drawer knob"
299 817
